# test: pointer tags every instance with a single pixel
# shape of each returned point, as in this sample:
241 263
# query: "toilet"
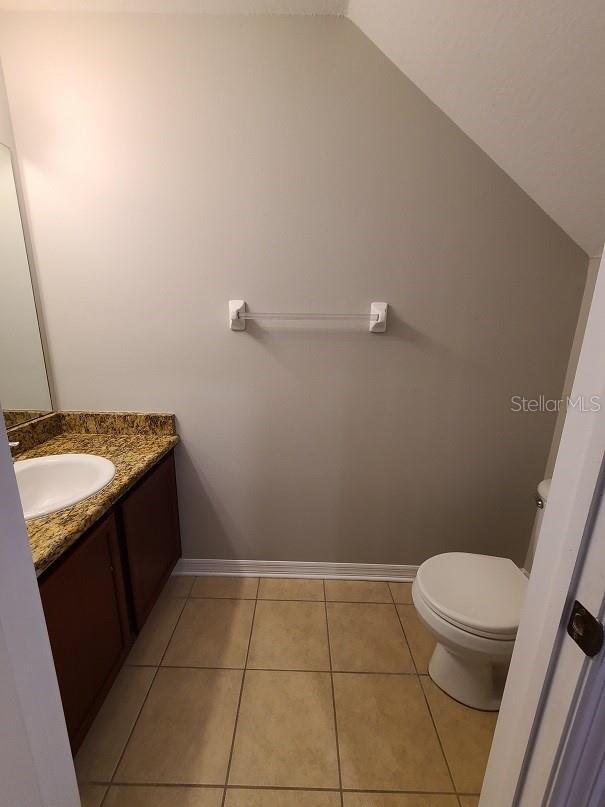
472 606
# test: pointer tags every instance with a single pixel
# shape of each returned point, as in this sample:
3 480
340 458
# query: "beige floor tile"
276 588
184 732
367 637
211 633
386 736
92 795
281 798
243 588
466 735
469 801
402 592
399 800
420 640
128 796
100 752
285 732
153 639
357 591
178 585
289 636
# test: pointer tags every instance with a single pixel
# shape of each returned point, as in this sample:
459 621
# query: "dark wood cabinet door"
84 604
150 522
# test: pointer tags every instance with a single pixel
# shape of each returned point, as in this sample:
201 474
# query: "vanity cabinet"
150 523
84 602
97 596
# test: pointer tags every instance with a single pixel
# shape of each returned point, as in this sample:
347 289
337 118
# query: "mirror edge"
31 264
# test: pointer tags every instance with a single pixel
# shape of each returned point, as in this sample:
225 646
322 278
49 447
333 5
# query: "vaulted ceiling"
524 79
328 7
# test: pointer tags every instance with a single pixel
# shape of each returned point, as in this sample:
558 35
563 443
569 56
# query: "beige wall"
591 280
172 163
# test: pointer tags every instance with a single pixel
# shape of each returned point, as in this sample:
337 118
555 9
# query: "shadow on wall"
211 525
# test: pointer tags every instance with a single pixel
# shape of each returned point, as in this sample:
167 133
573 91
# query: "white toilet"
472 605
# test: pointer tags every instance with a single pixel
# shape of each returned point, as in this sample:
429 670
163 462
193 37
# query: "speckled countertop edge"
133 454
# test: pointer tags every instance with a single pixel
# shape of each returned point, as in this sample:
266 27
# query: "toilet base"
473 681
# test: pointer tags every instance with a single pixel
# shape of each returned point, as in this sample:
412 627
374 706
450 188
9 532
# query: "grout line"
193 785
407 644
199 597
107 789
428 706
408 792
287 788
134 725
426 700
333 696
290 599
273 669
239 702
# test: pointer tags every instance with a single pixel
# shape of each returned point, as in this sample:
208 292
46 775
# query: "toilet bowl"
472 606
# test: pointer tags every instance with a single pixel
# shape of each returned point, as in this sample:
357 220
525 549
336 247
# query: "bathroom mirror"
24 390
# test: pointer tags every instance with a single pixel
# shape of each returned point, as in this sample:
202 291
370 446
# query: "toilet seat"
478 594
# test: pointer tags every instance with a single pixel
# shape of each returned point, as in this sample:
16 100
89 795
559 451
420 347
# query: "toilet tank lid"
481 592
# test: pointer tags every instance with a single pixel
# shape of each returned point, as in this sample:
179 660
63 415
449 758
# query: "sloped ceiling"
329 7
524 79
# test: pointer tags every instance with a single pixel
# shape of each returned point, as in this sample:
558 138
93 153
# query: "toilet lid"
479 593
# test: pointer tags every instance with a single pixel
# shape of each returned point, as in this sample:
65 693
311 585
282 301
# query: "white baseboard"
287 568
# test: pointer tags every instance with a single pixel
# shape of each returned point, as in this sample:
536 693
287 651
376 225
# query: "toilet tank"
541 499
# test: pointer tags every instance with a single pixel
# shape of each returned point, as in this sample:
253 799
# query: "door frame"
517 748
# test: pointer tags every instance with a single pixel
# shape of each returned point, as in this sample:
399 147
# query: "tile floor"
282 693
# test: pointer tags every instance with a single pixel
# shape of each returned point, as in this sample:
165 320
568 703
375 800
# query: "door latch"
585 630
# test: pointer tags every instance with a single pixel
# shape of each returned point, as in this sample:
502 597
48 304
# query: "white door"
570 666
578 775
36 767
548 668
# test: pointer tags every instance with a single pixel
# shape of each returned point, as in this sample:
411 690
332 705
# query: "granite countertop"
133 442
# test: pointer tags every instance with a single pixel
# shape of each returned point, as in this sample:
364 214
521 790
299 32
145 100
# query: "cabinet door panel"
151 534
84 606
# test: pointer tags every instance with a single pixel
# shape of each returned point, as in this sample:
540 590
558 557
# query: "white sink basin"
48 484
